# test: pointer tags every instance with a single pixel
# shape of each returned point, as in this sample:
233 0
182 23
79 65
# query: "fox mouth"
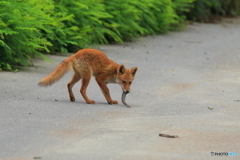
126 91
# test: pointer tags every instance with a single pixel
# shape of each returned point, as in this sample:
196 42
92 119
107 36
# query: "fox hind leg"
75 79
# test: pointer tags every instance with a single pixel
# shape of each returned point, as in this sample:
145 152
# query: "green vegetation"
30 28
21 26
207 10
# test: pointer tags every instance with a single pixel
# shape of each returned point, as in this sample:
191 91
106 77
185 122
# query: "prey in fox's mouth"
124 98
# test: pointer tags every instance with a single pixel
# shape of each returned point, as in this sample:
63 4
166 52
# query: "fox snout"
126 91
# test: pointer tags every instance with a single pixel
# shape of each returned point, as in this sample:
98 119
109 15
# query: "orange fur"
88 62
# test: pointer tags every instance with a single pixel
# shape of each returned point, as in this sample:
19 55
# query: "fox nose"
127 91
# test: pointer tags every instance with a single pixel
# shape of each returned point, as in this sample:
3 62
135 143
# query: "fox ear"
134 70
121 69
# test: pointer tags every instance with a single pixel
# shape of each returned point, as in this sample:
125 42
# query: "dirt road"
188 84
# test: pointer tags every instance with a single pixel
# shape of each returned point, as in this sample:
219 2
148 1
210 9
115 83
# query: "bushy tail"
57 74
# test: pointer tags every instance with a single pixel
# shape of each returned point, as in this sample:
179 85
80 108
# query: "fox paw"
72 99
112 102
91 102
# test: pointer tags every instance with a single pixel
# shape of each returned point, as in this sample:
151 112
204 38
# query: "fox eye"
130 82
124 82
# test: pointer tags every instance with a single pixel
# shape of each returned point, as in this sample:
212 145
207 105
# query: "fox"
92 62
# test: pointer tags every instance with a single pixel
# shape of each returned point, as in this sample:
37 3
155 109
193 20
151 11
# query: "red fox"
88 62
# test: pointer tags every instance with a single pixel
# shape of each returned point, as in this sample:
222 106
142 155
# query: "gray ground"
188 84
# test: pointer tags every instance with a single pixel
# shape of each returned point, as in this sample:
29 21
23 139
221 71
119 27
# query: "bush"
231 7
30 28
207 10
21 38
85 25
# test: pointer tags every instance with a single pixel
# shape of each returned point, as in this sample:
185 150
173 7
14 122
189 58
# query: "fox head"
125 77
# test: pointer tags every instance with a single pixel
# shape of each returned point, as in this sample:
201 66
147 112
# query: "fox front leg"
105 91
